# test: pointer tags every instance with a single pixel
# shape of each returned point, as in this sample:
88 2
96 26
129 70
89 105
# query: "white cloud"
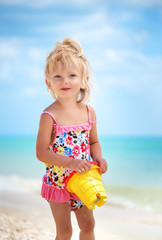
85 21
9 52
92 28
114 55
6 48
100 27
18 62
141 37
36 54
134 57
135 71
32 91
35 72
5 68
100 34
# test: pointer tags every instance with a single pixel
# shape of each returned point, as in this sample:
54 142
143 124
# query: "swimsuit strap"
89 116
45 112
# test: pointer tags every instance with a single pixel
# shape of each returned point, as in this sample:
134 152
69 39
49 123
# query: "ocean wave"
135 198
16 183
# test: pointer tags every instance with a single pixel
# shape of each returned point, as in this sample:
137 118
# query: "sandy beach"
27 216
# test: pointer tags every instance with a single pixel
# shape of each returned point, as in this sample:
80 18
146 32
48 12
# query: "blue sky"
121 39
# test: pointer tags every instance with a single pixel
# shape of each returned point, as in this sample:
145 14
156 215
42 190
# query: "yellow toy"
88 187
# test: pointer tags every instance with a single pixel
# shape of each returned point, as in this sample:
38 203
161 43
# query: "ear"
48 84
85 82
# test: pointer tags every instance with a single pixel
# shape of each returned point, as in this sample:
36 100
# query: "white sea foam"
135 198
129 204
16 183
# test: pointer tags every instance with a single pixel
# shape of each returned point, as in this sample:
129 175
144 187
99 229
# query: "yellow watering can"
88 187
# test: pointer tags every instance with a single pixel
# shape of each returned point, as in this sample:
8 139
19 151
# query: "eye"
57 76
72 75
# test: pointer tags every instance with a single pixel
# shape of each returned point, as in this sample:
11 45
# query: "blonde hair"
69 50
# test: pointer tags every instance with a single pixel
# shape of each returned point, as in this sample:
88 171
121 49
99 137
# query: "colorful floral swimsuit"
71 141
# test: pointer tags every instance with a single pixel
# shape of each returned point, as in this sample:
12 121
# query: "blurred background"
123 42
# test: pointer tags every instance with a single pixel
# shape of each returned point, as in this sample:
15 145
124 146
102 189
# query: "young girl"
67 137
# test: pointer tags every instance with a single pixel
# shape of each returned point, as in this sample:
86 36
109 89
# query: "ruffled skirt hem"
53 193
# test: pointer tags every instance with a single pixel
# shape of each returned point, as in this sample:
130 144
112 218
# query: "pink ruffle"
80 127
52 193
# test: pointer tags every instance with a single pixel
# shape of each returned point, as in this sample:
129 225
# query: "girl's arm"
95 147
44 139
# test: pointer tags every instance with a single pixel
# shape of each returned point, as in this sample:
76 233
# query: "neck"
68 103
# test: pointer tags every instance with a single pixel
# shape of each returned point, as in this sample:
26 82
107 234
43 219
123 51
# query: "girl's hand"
103 165
80 165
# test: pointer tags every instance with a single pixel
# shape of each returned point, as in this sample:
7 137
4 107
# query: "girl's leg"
62 216
86 223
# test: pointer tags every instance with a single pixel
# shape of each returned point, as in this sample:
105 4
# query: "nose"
65 79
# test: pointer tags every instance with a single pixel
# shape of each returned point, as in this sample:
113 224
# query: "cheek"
77 83
78 86
55 83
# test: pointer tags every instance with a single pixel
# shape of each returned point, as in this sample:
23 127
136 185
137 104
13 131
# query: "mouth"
65 89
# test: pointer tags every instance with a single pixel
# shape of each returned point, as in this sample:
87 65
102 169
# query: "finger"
104 169
79 171
85 168
101 167
88 166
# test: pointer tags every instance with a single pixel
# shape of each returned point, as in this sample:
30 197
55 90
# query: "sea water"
133 180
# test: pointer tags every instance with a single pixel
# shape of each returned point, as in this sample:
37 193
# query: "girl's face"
66 82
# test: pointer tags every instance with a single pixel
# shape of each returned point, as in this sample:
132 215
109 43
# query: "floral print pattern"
72 144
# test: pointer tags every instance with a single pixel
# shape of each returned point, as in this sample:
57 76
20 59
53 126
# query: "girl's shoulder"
50 113
51 108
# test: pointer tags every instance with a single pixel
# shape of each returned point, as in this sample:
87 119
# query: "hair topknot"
68 50
70 45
